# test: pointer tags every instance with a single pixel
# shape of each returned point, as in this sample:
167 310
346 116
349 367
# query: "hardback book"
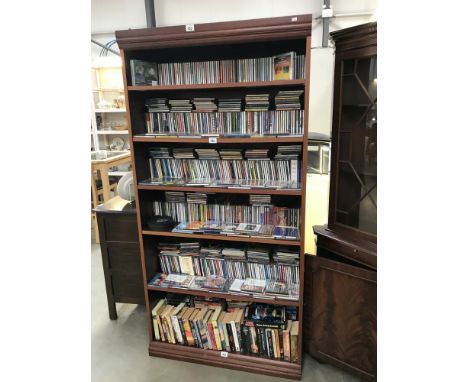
294 334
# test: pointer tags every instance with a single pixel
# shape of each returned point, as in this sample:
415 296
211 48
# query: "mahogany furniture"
120 253
102 167
341 285
213 41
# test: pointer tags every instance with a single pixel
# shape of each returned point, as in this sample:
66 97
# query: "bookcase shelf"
232 361
250 191
214 42
250 141
246 239
228 296
227 85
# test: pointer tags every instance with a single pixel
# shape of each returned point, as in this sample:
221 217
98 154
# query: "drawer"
123 256
116 227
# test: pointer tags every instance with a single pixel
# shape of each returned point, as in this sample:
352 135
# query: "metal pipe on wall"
150 14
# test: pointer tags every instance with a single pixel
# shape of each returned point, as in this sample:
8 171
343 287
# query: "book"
154 314
175 322
286 341
294 334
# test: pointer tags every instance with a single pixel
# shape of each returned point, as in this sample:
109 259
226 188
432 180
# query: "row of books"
283 100
287 66
203 172
258 330
227 124
238 230
229 262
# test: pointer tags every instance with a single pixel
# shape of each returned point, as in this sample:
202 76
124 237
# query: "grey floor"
120 348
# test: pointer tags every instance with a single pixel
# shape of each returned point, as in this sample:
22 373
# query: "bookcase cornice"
266 29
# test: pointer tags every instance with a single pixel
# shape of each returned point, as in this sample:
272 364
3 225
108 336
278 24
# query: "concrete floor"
120 348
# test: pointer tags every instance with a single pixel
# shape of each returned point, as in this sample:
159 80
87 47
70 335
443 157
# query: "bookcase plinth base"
232 361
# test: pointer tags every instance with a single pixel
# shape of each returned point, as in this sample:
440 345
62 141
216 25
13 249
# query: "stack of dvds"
186 248
207 154
183 153
205 104
196 197
157 105
229 104
285 256
257 102
159 152
288 100
256 154
211 251
231 154
180 105
259 199
174 196
288 152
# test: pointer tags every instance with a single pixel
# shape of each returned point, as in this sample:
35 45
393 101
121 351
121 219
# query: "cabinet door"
340 315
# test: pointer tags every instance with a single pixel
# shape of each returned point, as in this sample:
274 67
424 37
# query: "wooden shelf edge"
204 293
219 85
251 140
232 361
247 239
219 190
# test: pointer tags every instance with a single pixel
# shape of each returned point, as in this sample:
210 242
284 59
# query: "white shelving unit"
107 87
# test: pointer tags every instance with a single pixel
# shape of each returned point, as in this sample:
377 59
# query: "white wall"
110 15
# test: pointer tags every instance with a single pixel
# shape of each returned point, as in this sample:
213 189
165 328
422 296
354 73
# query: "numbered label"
224 354
212 140
190 27
293 19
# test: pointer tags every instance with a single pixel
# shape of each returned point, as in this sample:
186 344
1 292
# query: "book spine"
176 327
162 330
155 327
195 333
169 332
286 346
294 355
280 341
277 344
188 333
227 345
222 335
213 345
232 346
234 335
253 340
270 344
245 343
182 330
214 325
238 334
201 329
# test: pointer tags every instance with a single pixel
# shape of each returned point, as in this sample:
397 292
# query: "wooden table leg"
103 172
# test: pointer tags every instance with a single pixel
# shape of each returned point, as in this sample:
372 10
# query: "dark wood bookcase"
341 284
213 41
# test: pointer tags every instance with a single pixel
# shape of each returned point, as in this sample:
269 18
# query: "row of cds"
211 169
230 263
219 71
193 207
283 100
273 122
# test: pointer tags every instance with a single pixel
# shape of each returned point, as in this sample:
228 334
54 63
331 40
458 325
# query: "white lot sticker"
189 27
224 354
212 140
